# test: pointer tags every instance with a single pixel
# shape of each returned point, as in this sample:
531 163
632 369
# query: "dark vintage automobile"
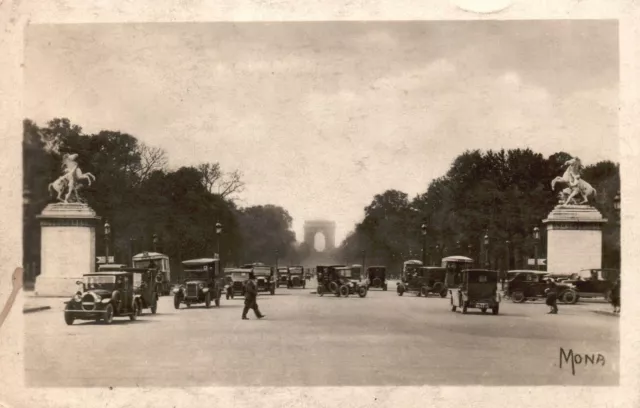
594 283
377 277
346 280
523 285
265 277
327 279
283 277
435 277
203 283
296 277
414 280
235 279
104 295
478 289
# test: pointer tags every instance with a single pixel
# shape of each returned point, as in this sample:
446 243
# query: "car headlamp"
77 297
98 297
200 285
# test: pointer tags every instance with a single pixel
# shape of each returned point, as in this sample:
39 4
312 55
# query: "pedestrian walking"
615 296
552 296
250 298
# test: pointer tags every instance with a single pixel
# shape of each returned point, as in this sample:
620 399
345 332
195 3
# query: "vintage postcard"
366 209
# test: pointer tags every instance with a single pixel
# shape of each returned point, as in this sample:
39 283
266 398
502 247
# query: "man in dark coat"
552 296
250 298
615 296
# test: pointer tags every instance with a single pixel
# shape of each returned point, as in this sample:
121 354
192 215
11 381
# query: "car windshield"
295 270
100 282
239 275
482 277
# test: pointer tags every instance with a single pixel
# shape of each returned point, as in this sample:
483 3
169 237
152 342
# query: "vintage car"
377 277
203 283
104 295
478 289
435 277
327 279
523 285
161 263
594 283
414 280
265 279
296 277
345 280
283 277
235 279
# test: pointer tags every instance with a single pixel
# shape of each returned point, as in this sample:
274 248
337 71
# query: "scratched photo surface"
421 203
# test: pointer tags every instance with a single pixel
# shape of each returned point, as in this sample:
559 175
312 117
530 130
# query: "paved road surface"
382 339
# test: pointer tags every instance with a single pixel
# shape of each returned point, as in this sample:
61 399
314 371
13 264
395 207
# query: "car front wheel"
176 302
68 318
108 314
570 297
518 297
135 310
207 300
362 291
154 305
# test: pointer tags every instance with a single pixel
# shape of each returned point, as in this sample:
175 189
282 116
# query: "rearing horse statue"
574 183
72 175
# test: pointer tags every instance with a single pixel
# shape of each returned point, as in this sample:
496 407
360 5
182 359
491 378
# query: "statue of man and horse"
70 178
574 184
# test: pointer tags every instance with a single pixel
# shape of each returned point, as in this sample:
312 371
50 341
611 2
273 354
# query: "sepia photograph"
322 204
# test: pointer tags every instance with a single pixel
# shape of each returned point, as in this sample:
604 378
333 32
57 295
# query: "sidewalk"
33 303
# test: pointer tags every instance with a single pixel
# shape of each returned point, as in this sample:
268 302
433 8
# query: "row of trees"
141 197
501 194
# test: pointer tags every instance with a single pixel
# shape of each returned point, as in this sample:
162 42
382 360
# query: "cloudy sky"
320 117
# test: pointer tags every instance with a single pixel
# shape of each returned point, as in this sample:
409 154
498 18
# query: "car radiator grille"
237 285
192 290
88 302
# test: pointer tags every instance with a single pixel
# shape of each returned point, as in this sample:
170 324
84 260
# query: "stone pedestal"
574 238
68 248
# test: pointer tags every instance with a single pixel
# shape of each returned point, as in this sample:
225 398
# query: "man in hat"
552 296
250 297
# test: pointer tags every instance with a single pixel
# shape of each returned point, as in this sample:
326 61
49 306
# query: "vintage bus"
160 262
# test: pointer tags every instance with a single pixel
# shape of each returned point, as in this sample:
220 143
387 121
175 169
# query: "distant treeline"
140 196
501 194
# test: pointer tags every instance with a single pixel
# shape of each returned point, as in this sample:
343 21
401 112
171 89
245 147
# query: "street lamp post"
218 233
364 258
155 243
536 242
277 253
132 249
508 243
438 253
486 251
423 227
107 236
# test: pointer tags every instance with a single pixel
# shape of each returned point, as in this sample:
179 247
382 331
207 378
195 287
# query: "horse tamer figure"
70 178
574 183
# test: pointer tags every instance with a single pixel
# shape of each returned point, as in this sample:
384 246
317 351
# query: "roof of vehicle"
376 266
434 267
600 269
457 258
413 262
108 273
342 268
199 261
111 267
478 271
529 271
148 255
